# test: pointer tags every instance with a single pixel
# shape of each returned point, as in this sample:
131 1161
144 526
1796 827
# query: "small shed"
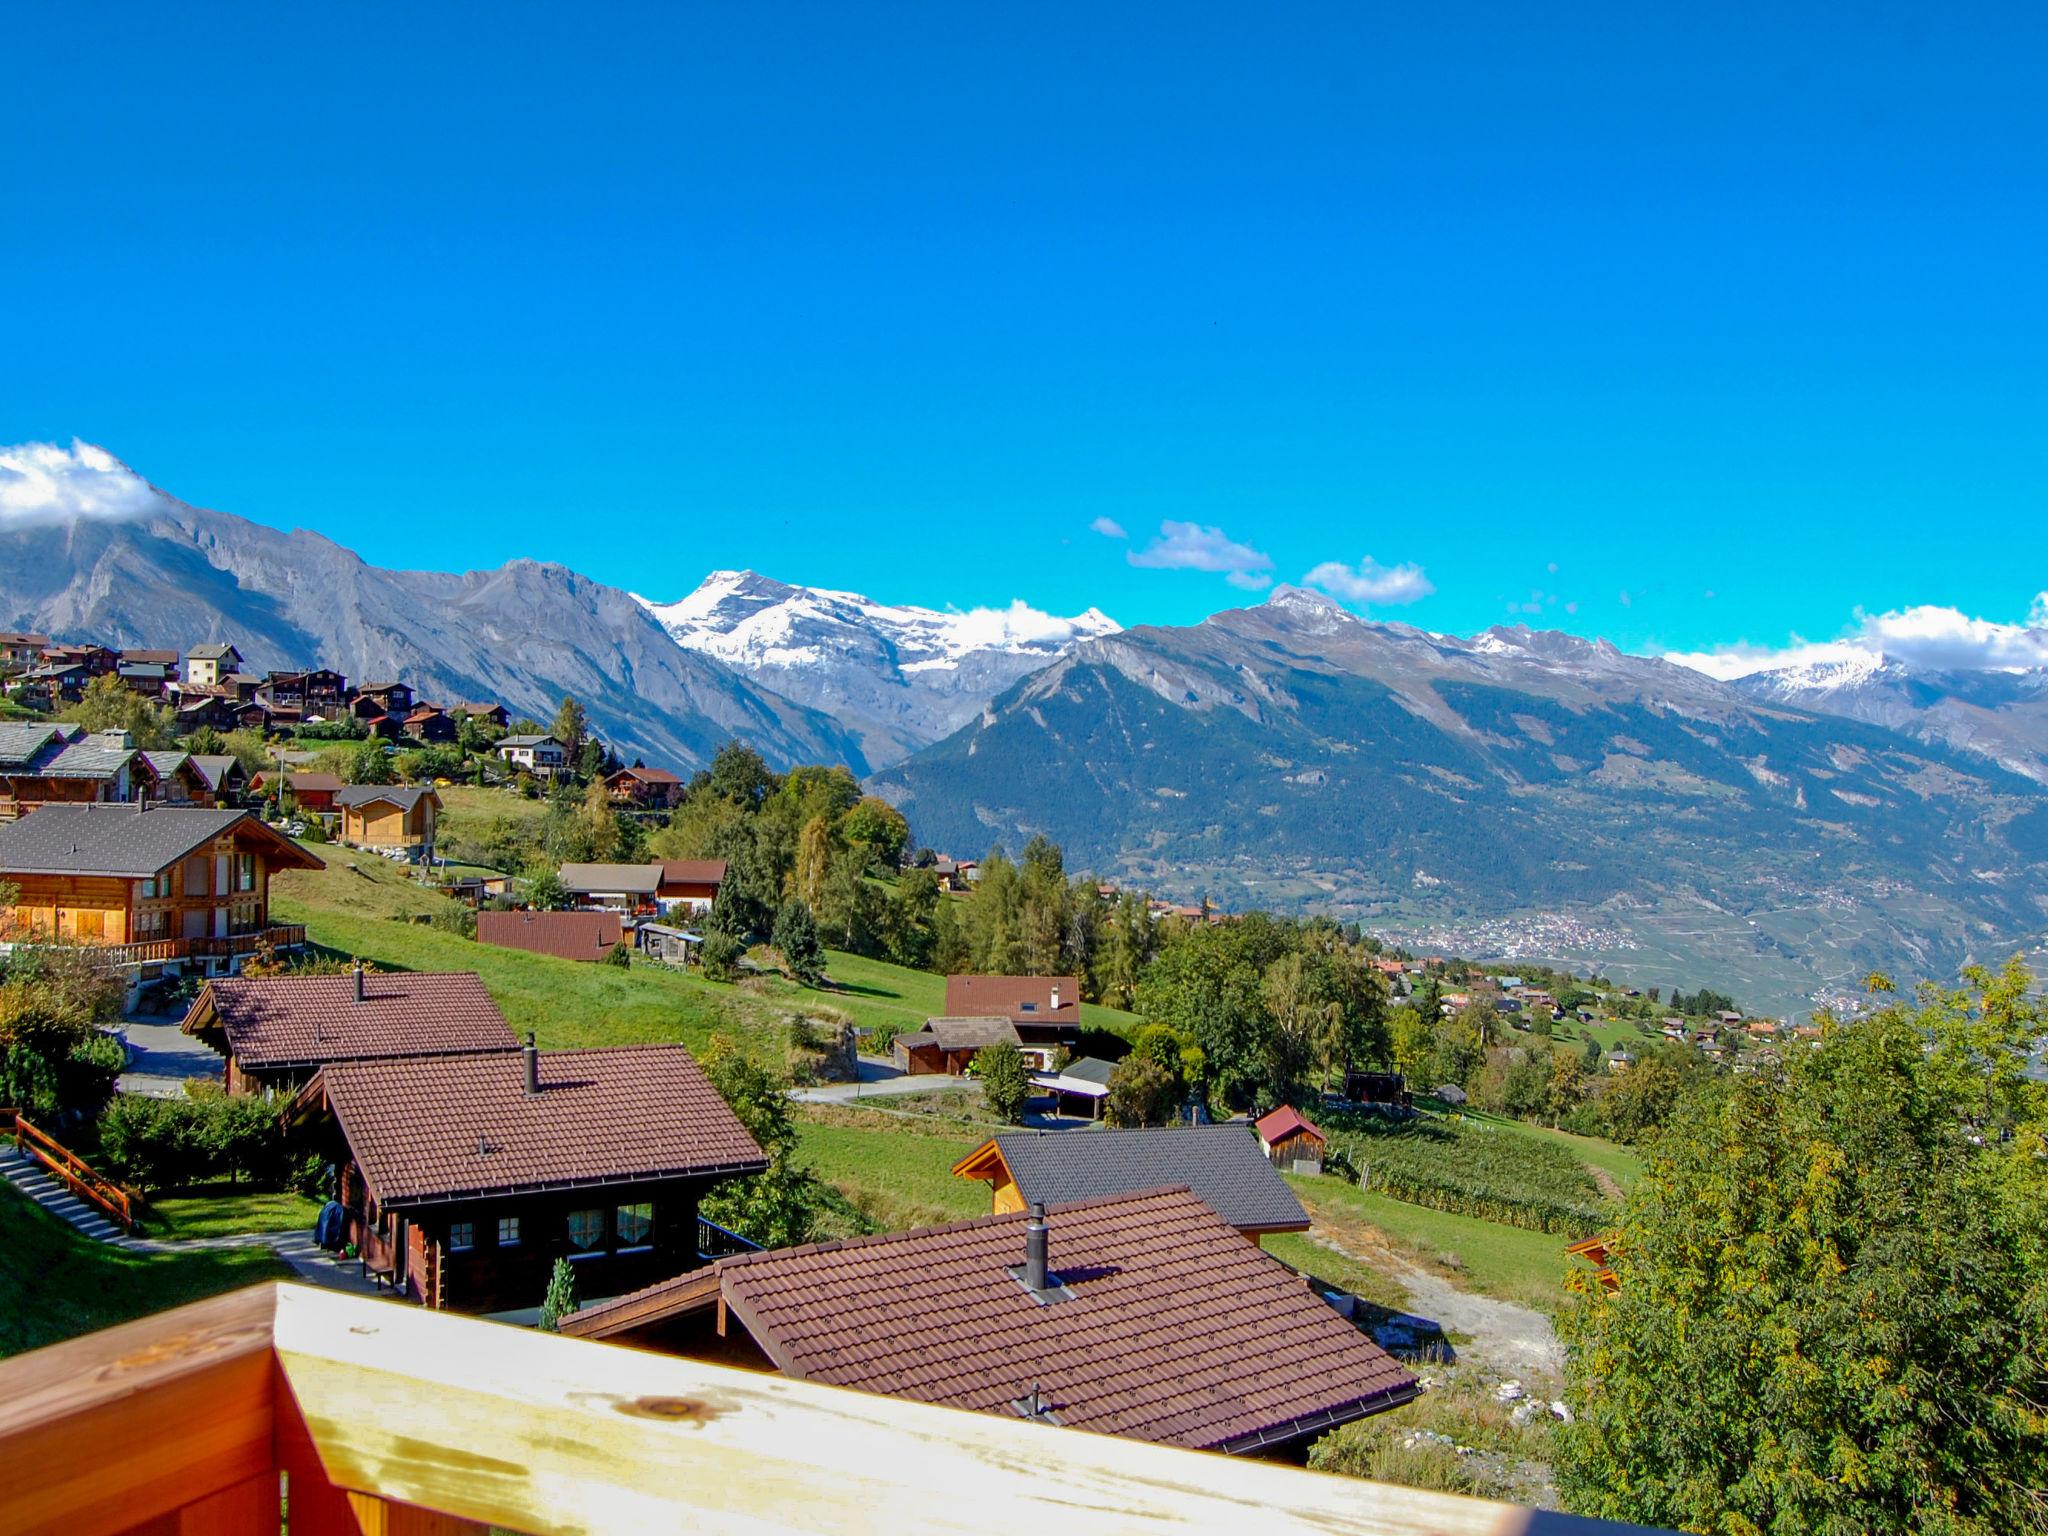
1383 1088
949 1046
1291 1140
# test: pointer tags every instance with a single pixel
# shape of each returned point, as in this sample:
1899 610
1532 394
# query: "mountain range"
1520 793
901 677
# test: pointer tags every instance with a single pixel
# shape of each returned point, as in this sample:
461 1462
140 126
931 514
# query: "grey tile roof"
21 742
215 767
87 759
121 840
1222 1164
527 741
212 652
1089 1069
961 1034
404 797
627 879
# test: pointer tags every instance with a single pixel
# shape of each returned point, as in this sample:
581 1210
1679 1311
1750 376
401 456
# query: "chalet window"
636 1224
586 1231
147 889
461 1236
152 925
245 871
508 1231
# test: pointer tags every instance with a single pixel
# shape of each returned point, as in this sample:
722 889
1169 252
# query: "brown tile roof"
648 775
448 1127
1020 999
569 935
1173 1328
692 871
273 1022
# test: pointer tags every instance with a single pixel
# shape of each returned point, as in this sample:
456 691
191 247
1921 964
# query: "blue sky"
1684 327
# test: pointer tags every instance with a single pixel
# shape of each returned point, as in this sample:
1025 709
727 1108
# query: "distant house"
463 1179
1385 1089
613 887
1619 1061
204 712
650 788
277 1031
319 691
312 792
565 935
1081 1087
689 885
949 1046
394 699
207 666
430 724
541 756
1289 1139
493 715
1141 1315
389 817
161 886
18 648
1222 1164
1046 1010
66 764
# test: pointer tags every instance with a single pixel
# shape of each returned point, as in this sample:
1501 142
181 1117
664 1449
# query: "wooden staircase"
62 1183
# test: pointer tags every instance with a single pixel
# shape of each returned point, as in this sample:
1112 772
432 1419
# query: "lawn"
1506 1262
895 1170
1619 1163
368 907
56 1284
221 1210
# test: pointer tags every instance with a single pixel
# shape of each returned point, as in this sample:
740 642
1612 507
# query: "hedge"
159 1144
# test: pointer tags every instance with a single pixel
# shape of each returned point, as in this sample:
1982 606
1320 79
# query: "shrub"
720 956
1005 1081
561 1297
159 1144
620 955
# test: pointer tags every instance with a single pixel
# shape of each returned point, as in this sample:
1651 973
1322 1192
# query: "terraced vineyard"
1470 1169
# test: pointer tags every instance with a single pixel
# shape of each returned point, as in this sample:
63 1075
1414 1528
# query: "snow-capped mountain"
902 677
2001 714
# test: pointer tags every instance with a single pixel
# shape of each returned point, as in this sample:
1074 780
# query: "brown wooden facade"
216 893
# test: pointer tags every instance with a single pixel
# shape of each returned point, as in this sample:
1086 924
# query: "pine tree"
560 1301
796 935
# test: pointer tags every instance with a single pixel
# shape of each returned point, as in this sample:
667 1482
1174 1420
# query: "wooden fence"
71 1170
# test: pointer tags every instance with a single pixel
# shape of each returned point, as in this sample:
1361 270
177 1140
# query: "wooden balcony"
382 1418
146 951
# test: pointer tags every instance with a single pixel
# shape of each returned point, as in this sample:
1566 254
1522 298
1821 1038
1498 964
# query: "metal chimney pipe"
531 1052
1035 1272
359 981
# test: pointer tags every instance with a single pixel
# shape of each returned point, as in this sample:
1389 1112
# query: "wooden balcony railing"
71 1170
384 1418
147 951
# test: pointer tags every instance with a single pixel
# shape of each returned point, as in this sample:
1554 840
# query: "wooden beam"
117 1429
540 1433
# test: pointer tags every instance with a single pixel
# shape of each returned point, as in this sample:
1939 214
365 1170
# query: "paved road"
161 1058
879 1080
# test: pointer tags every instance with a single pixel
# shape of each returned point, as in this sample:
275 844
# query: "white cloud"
1370 583
1192 547
1108 527
41 482
1926 637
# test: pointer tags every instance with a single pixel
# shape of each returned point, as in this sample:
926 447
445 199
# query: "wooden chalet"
389 817
275 1032
395 699
646 788
205 711
613 887
1046 1010
312 792
1289 1139
18 648
209 666
1143 1315
366 1417
318 691
1222 1164
493 715
949 1046
160 887
1386 1090
431 724
464 1178
65 764
97 660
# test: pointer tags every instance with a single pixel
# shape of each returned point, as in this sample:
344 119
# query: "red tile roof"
449 1127
692 871
1279 1124
648 775
276 1022
1172 1327
1020 999
567 935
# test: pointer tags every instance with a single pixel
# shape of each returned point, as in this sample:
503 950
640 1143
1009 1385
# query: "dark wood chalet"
277 1031
464 1178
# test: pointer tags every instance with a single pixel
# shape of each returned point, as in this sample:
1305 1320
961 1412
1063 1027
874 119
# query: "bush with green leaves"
1004 1078
719 955
780 1207
560 1300
161 1144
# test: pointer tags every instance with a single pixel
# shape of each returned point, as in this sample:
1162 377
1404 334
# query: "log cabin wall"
215 892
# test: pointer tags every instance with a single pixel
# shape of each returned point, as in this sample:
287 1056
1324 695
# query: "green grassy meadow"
56 1284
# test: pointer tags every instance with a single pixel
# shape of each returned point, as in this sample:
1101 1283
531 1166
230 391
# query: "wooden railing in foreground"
390 1420
69 1169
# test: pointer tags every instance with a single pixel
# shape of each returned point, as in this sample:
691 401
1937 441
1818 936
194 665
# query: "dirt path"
1605 1180
1499 1335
